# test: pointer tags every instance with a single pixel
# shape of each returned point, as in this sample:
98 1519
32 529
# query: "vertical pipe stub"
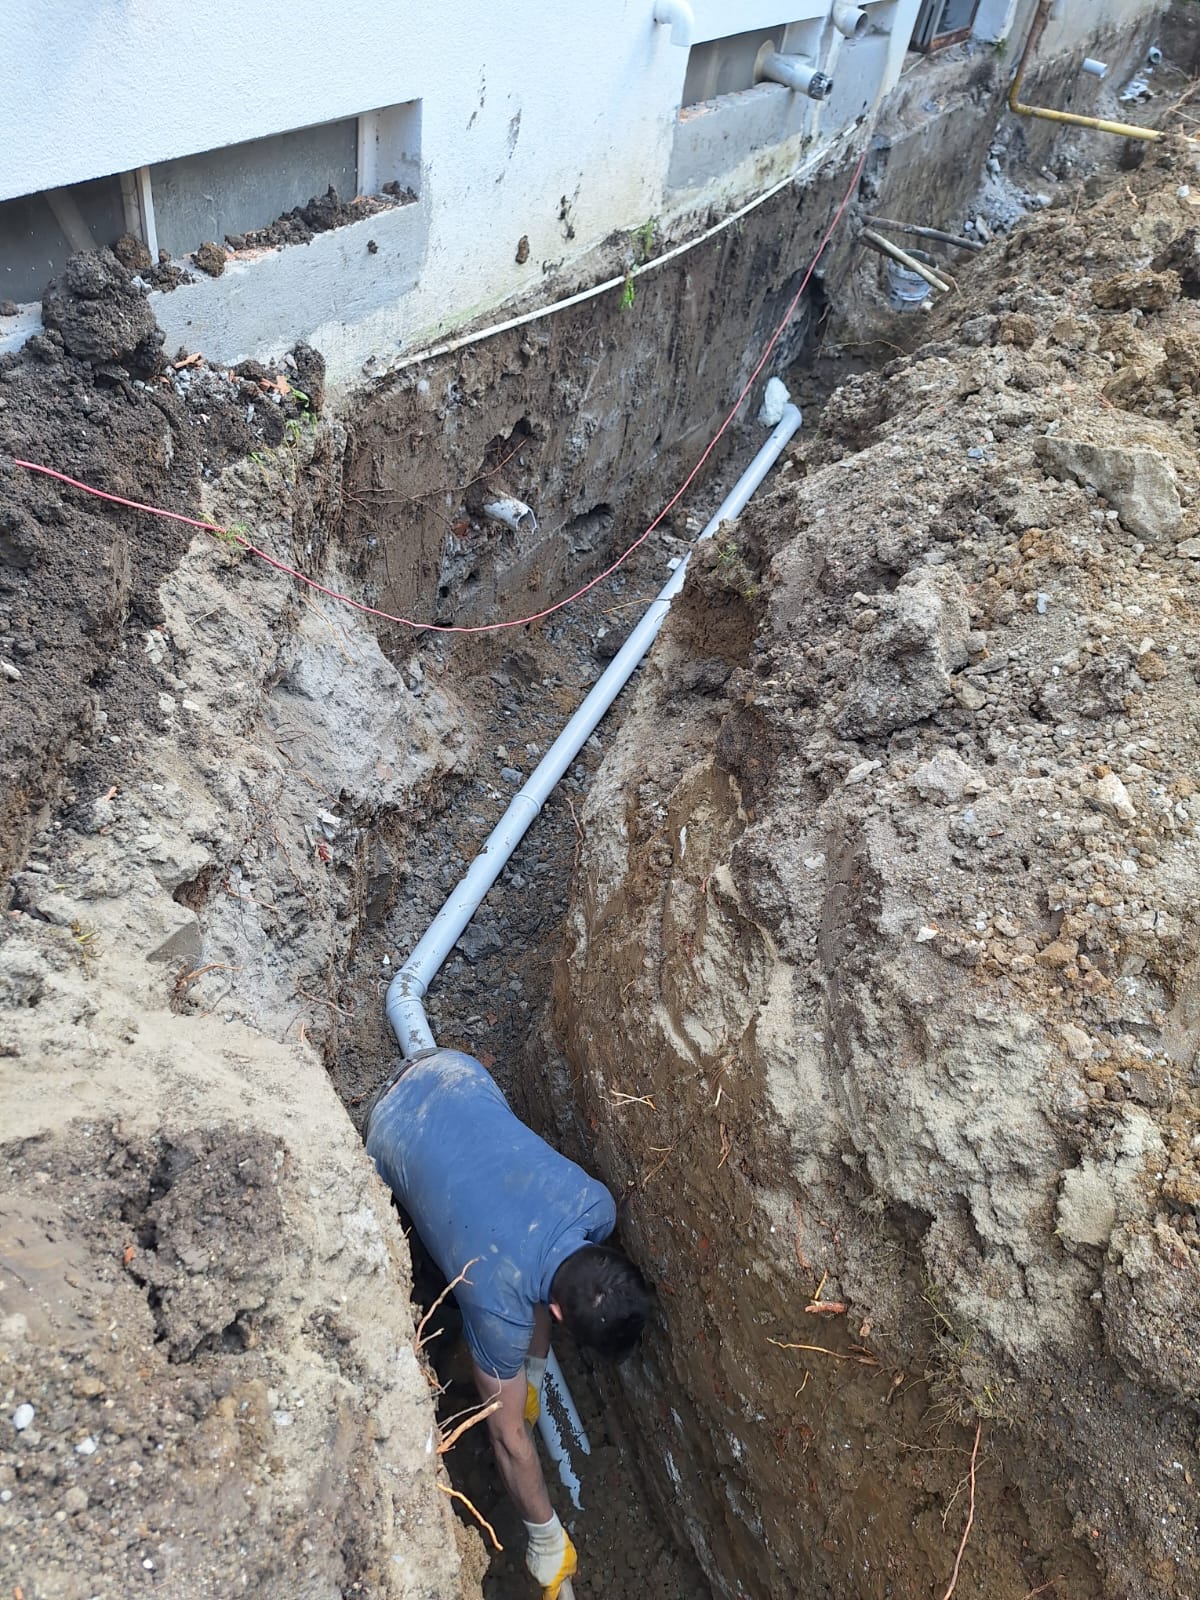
681 18
850 21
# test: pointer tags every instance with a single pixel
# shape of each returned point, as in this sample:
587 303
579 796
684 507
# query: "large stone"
908 659
1138 483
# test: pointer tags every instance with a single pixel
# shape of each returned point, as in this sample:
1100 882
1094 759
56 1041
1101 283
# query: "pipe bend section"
681 18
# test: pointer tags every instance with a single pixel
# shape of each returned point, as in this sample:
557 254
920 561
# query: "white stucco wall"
522 108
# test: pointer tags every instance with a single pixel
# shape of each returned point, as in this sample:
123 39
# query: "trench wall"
586 417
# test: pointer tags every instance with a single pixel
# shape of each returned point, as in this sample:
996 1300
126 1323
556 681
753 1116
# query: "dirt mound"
323 212
207 1373
881 983
80 580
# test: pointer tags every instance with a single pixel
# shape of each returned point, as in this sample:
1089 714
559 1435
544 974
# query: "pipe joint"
681 18
797 73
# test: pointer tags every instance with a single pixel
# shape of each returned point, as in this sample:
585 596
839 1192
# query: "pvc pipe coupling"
514 514
1095 69
681 18
797 73
850 21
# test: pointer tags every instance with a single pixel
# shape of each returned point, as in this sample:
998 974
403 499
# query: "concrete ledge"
714 137
251 309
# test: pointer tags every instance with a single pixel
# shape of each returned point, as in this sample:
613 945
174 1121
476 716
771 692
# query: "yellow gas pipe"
1125 130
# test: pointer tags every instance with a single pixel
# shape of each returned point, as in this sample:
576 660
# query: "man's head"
601 1297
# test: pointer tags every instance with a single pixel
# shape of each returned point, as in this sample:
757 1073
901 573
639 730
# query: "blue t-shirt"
480 1186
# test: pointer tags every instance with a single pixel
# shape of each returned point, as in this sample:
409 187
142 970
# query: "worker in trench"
518 1231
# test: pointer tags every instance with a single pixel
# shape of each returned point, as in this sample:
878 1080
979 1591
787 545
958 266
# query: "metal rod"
905 260
925 233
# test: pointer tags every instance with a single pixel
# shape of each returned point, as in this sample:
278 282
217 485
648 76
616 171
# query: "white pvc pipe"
1095 69
547 1425
798 74
515 514
405 1012
682 19
849 20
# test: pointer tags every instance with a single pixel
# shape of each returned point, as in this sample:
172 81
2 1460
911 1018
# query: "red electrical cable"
518 622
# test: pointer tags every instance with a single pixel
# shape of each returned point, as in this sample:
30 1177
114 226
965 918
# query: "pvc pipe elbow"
850 21
681 18
514 514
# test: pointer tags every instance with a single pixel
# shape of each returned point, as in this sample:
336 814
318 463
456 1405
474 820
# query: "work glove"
551 1556
535 1371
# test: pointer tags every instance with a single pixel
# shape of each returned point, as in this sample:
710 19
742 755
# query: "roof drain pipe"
405 1011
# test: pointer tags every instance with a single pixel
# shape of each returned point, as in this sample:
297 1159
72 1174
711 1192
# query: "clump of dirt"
323 212
210 258
878 995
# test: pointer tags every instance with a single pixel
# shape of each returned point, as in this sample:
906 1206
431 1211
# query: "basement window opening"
241 188
731 65
228 192
943 22
39 231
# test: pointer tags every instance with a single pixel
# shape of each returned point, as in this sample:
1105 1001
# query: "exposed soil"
92 397
207 1378
323 212
879 985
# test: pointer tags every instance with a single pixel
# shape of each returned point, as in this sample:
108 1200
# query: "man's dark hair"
603 1299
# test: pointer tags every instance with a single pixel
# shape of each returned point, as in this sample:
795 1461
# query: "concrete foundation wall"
546 137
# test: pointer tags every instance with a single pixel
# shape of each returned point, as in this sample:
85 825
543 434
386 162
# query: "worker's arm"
516 1455
551 1556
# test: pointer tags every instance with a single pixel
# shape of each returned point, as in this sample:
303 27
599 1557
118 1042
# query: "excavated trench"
563 423
660 977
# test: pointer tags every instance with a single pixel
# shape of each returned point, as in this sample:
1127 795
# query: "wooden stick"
920 232
905 260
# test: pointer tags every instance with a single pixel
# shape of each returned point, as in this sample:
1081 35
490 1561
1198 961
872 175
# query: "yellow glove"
535 1371
551 1556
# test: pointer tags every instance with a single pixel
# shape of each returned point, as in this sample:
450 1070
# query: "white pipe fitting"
514 514
681 18
850 21
797 73
1095 69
